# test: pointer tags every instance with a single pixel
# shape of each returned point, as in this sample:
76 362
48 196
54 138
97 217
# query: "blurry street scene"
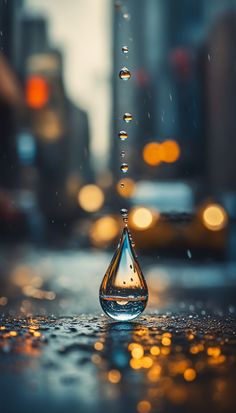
67 123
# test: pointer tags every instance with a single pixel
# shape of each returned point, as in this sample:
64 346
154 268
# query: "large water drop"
125 74
123 292
124 168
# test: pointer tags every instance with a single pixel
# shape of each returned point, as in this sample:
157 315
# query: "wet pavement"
180 356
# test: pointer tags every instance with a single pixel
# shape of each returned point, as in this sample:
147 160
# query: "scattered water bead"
123 135
123 292
124 212
124 168
125 49
125 74
127 117
122 154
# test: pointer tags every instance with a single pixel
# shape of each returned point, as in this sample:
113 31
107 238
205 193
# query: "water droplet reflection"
127 117
123 135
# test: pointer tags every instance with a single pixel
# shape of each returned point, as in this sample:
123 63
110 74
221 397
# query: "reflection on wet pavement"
87 363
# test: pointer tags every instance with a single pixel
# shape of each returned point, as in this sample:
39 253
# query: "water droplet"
121 298
122 185
127 16
124 212
122 154
125 74
123 135
127 117
124 168
125 49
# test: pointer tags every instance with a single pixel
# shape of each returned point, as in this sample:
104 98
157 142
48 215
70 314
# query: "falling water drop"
125 49
122 154
125 74
124 212
127 117
121 298
122 185
124 168
123 135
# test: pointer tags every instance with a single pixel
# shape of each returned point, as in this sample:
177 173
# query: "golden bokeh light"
155 350
104 230
137 352
214 217
91 198
151 153
114 376
190 374
98 346
144 406
142 218
169 151
126 187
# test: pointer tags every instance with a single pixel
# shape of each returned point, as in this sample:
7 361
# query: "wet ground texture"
161 362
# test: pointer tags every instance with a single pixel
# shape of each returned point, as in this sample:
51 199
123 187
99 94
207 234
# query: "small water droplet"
124 212
122 154
123 298
127 117
127 16
123 135
124 168
125 49
125 74
122 185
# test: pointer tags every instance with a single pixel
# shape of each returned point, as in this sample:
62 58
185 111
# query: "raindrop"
127 117
124 168
125 49
125 74
122 154
123 135
121 298
126 16
124 212
189 254
122 185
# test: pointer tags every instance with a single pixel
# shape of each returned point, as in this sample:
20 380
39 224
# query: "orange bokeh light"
151 153
37 92
169 151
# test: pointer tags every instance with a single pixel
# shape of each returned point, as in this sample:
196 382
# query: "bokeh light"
126 187
151 153
37 92
169 151
91 198
214 217
104 230
142 218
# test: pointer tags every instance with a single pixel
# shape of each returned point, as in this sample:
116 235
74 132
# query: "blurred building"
173 87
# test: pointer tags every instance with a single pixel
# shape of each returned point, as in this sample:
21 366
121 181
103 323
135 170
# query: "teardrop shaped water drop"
127 117
124 168
123 292
123 135
125 74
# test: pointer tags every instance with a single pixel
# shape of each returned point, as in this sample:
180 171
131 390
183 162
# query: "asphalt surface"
59 353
